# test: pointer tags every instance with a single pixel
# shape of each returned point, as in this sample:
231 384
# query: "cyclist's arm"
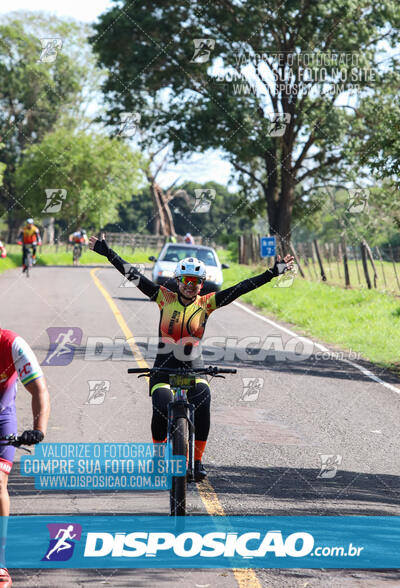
145 285
230 294
31 376
38 237
40 403
224 297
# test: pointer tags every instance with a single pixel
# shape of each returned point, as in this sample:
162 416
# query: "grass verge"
47 255
361 320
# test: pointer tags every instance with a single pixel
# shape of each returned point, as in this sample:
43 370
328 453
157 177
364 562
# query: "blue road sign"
268 246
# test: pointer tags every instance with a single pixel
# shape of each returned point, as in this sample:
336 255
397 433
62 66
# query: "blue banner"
203 542
102 466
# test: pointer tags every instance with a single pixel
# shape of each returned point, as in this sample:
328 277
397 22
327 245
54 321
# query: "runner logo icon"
329 465
63 341
97 391
62 541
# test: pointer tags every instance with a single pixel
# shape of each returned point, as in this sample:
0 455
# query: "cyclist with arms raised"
184 315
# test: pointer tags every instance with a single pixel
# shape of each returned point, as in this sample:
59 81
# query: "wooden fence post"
302 250
364 262
321 267
369 253
346 267
296 259
355 259
381 260
339 259
302 254
313 259
394 266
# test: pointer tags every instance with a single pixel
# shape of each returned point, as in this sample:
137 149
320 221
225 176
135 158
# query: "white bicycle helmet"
190 266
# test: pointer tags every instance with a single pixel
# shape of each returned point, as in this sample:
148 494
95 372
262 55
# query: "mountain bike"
76 253
181 423
27 259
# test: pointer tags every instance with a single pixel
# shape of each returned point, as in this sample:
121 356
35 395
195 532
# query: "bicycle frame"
179 407
27 258
76 253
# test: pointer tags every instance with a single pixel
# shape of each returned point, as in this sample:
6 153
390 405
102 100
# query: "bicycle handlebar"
13 440
211 370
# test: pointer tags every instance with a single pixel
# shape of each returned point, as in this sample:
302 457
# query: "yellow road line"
246 578
121 321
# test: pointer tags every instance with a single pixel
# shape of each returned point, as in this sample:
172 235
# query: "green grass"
12 260
361 320
48 255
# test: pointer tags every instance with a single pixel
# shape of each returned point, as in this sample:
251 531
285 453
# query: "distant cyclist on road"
3 250
29 237
183 319
79 238
17 360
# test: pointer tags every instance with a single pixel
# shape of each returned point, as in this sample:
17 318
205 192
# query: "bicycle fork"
183 409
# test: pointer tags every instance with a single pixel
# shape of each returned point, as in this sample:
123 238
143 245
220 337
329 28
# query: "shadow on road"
295 490
298 491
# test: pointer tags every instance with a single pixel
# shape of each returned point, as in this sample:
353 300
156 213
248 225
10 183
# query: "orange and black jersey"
29 235
180 324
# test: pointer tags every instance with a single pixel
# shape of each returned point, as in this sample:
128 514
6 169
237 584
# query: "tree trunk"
285 211
48 230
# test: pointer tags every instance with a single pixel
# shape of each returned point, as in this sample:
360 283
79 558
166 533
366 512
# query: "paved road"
263 454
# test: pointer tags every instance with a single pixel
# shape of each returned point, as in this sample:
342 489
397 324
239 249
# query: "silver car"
171 253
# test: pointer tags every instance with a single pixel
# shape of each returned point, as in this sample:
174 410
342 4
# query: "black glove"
31 437
279 268
101 247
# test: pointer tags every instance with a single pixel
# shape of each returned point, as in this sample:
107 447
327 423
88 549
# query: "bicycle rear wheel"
179 447
75 255
28 263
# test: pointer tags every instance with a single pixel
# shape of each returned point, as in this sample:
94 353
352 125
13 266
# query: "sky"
200 168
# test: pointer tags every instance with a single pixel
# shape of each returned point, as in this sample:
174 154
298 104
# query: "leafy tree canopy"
96 172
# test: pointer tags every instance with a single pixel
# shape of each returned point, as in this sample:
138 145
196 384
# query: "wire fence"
336 263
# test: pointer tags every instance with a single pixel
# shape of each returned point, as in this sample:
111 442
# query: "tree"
375 218
215 224
225 96
37 97
379 145
162 219
95 172
32 96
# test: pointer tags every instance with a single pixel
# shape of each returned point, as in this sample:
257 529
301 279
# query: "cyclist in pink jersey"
17 360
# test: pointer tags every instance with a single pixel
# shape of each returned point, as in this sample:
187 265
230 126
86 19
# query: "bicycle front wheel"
179 447
28 264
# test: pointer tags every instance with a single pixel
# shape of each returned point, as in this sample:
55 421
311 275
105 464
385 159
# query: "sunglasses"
190 280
